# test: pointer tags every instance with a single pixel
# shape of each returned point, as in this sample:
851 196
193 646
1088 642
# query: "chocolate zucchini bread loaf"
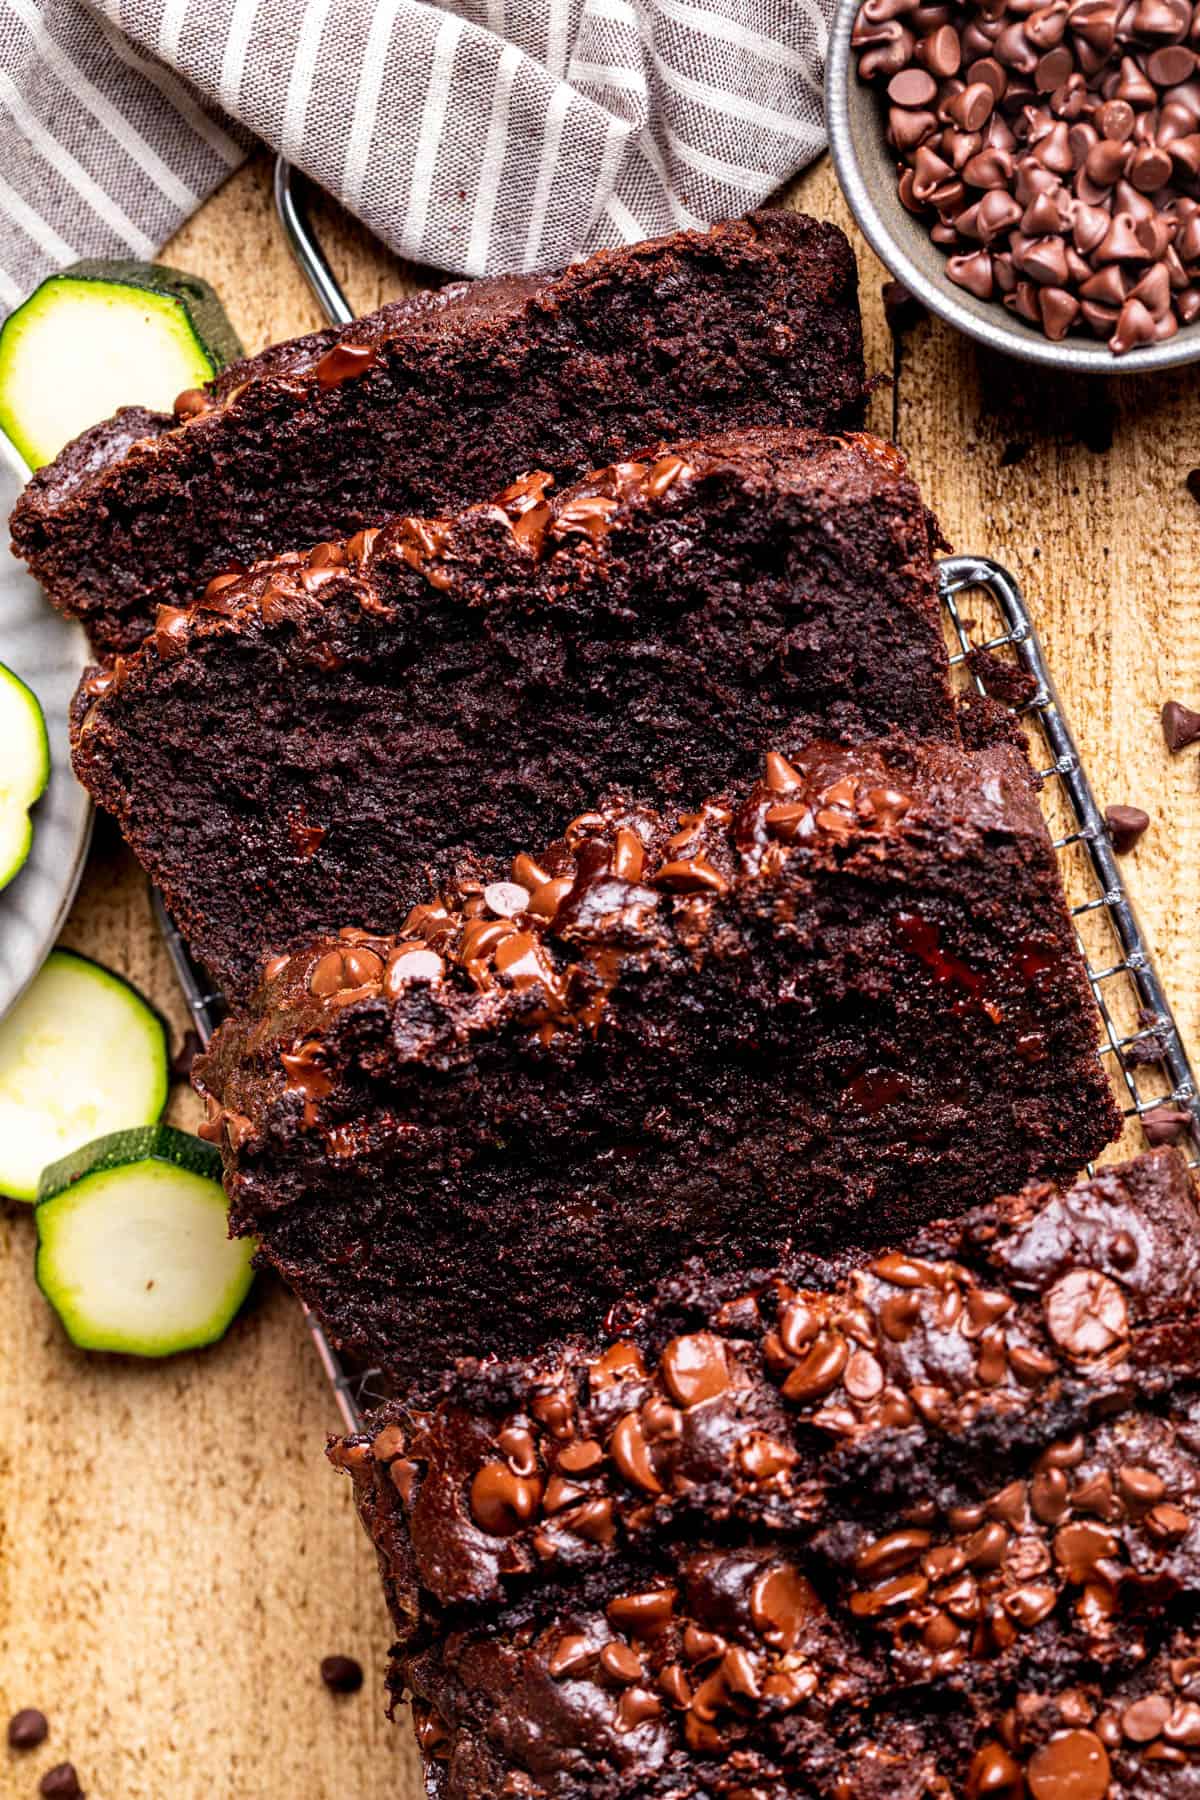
442 398
316 742
921 1524
848 1002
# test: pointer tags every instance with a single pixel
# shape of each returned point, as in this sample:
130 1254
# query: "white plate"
49 653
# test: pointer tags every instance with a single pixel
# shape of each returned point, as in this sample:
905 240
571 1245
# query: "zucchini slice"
24 769
101 335
134 1252
81 1053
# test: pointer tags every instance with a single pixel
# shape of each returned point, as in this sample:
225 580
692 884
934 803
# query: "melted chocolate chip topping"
290 585
564 918
1035 1578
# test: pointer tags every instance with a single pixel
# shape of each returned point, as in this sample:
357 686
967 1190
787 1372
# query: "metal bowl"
866 168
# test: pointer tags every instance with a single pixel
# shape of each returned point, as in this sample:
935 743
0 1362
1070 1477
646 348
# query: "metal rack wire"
1142 1048
1142 1044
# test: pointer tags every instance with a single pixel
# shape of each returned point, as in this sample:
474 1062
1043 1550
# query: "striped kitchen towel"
475 136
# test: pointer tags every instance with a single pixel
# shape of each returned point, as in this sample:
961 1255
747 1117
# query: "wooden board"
175 1556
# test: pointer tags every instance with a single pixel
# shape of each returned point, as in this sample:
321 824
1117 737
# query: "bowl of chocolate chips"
1030 169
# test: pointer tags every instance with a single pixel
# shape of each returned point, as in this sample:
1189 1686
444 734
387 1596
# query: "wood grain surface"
175 1555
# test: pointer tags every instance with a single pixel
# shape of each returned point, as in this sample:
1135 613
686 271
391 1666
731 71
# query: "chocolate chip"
1015 453
190 404
1085 1313
502 1502
901 309
1165 1125
570 1654
1125 826
1073 1765
694 1368
783 1602
27 1729
60 1783
1181 726
1046 147
993 1772
1192 482
341 1674
343 362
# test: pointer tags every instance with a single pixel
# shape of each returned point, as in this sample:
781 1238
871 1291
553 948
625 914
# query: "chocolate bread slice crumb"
442 398
848 1003
659 1563
317 742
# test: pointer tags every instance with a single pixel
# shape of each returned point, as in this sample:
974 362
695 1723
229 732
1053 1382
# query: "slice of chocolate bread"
923 1524
849 1003
317 742
442 398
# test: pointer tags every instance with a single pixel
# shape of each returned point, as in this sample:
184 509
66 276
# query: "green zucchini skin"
78 975
66 361
158 1143
133 1249
20 713
206 315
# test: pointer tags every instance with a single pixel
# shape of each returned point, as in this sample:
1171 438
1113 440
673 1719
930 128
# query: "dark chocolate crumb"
27 1729
1181 726
901 309
1146 1050
1165 1125
1014 453
1125 826
189 1049
1151 1048
60 1783
1001 680
1192 482
341 1674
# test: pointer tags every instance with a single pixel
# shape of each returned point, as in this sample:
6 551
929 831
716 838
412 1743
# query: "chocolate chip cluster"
1053 147
1095 1517
547 1516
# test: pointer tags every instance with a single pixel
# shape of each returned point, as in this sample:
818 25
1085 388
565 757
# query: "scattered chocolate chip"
60 1783
1181 726
27 1729
1125 826
181 1063
1192 482
1165 1125
502 1502
901 309
341 1674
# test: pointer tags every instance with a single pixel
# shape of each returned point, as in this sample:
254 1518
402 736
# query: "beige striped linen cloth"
474 136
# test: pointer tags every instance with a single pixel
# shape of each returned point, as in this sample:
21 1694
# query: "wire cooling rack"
988 629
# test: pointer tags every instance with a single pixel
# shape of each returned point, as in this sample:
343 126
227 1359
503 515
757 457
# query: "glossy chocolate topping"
819 1011
334 729
762 1519
441 398
551 940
